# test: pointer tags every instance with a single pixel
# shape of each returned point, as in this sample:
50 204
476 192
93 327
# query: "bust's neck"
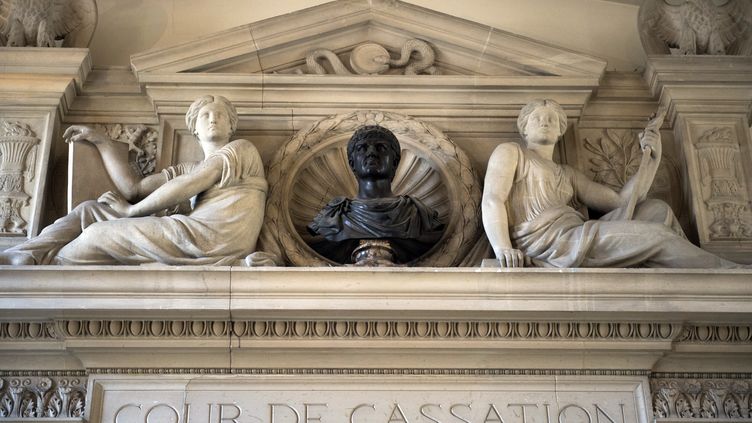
369 189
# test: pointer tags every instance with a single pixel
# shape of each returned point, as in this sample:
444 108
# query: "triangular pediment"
281 44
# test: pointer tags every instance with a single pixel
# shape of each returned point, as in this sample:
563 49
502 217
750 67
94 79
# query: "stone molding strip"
368 372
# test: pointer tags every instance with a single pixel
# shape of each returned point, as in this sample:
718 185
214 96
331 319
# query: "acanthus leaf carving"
700 398
42 397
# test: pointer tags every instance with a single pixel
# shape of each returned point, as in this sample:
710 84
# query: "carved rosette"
312 168
723 185
701 398
42 397
18 146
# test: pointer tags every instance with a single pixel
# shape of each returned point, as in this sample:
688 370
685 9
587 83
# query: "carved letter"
451 411
561 413
400 418
187 413
271 408
522 408
548 412
306 415
356 409
599 411
423 412
222 413
169 407
120 410
488 415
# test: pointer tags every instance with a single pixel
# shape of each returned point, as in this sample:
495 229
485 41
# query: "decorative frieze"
702 398
336 329
31 397
18 153
716 334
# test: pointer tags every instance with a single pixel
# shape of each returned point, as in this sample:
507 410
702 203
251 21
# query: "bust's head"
211 113
373 153
542 121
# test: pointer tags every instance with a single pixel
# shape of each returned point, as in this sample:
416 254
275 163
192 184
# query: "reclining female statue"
530 207
227 188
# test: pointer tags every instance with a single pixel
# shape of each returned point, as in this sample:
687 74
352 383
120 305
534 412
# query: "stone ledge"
668 295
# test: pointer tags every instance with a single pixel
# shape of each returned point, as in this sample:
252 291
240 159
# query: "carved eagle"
699 26
42 23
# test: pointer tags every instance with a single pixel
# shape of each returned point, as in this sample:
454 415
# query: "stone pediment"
281 44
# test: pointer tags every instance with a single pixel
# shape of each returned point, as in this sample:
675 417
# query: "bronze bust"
345 225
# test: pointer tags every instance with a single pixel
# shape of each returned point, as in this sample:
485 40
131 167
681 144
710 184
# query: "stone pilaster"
37 85
709 101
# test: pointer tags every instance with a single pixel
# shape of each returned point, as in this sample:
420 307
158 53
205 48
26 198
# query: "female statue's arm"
498 184
174 191
130 185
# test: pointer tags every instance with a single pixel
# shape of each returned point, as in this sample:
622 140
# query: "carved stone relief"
701 398
312 168
416 57
612 156
142 144
47 23
724 190
42 397
690 27
18 146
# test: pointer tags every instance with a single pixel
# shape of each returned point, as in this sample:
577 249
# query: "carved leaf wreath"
616 157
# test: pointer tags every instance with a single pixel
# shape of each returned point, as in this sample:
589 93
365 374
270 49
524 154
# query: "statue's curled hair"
535 104
192 114
368 132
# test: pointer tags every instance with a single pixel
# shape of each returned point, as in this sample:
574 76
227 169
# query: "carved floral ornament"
312 168
42 397
18 147
614 157
723 184
701 398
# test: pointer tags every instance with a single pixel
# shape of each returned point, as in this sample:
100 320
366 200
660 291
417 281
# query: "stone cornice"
710 85
423 293
33 78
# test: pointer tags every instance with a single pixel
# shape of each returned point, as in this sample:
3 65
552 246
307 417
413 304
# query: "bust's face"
373 159
213 123
542 127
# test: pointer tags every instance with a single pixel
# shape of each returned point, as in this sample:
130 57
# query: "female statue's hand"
511 257
650 139
117 203
77 133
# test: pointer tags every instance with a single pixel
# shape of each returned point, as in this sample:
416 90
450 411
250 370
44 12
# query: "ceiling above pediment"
367 31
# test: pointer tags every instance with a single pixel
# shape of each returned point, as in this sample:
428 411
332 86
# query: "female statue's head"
373 152
542 121
219 103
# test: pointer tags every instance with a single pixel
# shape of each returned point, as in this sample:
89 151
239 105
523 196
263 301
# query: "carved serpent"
313 65
424 64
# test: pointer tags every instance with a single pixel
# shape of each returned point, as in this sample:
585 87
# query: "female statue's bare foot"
16 259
